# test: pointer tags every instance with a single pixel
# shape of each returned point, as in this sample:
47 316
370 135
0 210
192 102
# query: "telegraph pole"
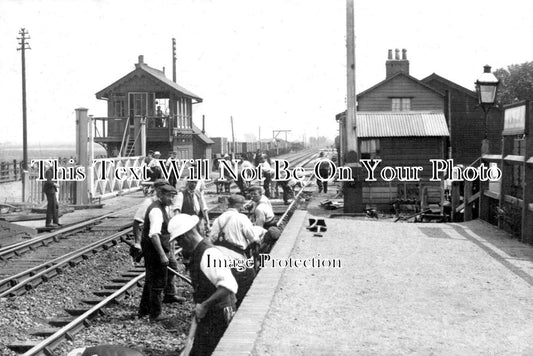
24 36
232 138
353 190
174 60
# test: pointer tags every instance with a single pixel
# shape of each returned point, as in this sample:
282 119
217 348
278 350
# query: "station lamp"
486 87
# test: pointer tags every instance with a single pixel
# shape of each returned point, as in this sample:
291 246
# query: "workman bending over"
214 285
234 235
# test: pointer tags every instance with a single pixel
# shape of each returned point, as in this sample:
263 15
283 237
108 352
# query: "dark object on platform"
413 216
317 225
331 205
372 213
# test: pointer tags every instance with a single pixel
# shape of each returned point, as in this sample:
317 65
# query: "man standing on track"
52 206
214 285
136 250
323 170
156 249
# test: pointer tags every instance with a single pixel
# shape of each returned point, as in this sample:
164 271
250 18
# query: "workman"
213 283
234 234
324 172
260 208
136 249
156 249
191 201
50 190
266 170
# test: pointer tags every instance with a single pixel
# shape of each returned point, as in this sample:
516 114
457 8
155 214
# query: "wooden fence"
10 171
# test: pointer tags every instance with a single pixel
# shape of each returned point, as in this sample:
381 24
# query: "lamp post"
486 87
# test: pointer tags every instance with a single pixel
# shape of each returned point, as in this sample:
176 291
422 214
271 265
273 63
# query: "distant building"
147 96
406 122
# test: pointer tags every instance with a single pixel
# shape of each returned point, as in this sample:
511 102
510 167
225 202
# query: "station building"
406 122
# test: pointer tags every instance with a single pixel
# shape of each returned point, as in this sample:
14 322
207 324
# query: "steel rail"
13 249
80 321
55 339
55 265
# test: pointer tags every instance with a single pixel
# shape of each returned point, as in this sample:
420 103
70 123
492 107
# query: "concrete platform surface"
402 289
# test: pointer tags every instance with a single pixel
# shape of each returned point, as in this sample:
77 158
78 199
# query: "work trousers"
322 185
287 191
266 184
52 209
210 330
156 280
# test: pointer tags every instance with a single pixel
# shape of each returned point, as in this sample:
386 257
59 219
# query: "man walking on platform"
213 283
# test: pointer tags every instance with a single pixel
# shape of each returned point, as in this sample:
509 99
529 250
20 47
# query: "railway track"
116 289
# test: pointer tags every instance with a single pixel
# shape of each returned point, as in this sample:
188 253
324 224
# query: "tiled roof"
155 74
401 124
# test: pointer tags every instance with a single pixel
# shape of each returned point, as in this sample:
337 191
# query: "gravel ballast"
119 325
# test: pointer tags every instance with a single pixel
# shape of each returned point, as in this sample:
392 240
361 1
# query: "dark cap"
160 182
235 199
167 188
255 188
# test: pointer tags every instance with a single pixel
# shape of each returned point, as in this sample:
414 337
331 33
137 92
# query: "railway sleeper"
103 293
91 301
32 284
114 286
120 280
130 274
76 312
60 321
43 331
23 346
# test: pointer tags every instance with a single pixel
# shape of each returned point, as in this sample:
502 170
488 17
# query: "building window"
369 148
518 175
401 104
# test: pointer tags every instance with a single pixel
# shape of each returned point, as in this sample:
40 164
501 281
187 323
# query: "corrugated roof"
401 124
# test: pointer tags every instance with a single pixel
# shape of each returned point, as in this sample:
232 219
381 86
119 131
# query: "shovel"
176 273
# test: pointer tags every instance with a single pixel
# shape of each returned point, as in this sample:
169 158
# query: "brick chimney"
141 61
396 65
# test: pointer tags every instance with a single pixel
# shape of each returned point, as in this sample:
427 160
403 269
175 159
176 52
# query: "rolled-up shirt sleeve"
156 221
248 231
219 276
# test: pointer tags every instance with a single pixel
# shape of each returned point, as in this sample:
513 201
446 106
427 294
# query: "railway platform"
401 288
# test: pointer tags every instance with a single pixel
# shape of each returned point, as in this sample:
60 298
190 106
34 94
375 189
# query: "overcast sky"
278 64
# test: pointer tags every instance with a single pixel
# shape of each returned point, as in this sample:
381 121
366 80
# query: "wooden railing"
10 171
